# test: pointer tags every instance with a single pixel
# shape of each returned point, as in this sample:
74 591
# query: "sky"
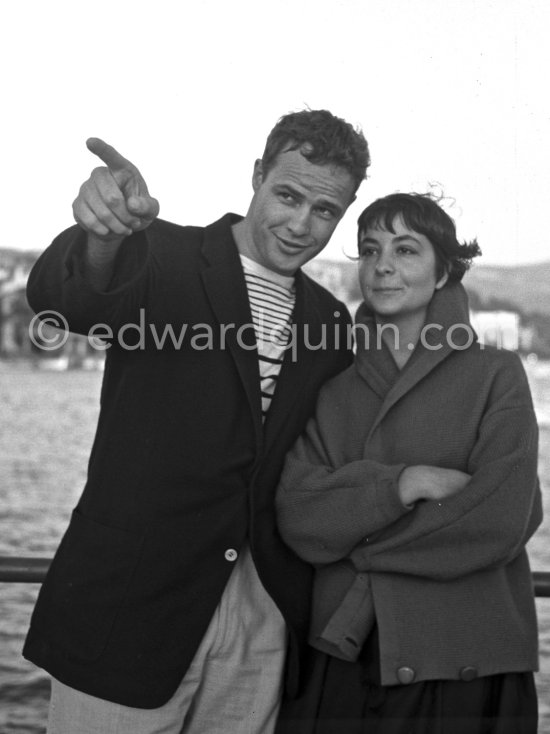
452 96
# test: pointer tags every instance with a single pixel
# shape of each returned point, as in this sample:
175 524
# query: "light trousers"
233 685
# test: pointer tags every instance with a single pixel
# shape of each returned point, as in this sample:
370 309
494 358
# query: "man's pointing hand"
114 201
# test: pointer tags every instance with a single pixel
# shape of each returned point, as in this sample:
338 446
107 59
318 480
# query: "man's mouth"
292 245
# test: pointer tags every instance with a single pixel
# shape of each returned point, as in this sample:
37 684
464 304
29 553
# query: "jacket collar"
225 287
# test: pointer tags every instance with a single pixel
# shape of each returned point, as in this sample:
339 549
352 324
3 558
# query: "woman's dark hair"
321 138
421 213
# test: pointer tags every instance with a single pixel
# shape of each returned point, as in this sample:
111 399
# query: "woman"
413 492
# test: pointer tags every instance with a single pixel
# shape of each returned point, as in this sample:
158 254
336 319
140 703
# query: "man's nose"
300 221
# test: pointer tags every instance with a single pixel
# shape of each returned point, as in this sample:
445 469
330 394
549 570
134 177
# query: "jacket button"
405 675
231 554
468 673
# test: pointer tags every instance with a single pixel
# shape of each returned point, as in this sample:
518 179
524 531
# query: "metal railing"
17 569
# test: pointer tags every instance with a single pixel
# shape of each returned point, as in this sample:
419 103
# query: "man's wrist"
99 260
99 252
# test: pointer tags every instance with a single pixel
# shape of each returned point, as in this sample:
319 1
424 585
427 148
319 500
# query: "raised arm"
96 271
111 205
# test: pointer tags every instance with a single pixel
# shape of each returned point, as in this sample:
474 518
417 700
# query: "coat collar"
447 329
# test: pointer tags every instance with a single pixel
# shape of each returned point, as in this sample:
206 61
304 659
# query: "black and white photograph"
275 367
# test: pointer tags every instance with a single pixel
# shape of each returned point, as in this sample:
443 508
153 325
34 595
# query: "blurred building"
15 313
338 277
498 328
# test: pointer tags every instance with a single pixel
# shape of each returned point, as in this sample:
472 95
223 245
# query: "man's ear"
258 175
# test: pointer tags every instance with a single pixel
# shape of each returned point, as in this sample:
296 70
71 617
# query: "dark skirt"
347 698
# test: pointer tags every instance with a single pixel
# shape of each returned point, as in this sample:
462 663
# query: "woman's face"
397 272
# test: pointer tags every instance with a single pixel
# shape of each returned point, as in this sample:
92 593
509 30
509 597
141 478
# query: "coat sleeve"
57 283
489 522
326 507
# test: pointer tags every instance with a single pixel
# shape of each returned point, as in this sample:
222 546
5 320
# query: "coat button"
405 675
231 554
468 673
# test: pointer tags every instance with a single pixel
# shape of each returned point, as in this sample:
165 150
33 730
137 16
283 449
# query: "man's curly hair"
322 138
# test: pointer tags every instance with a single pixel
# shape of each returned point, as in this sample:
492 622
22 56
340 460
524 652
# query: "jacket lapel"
307 332
225 287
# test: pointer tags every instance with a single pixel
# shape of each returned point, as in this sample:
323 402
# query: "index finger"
109 155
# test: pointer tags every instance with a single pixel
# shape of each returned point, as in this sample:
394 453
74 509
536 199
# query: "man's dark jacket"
181 469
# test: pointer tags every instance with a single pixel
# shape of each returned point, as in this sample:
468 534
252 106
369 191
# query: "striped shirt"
272 298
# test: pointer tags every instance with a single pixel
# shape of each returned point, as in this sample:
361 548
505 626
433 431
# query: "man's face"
294 211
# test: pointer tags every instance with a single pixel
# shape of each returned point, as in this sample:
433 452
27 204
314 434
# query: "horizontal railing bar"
541 582
17 569
23 570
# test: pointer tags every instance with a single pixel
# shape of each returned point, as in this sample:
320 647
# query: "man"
171 600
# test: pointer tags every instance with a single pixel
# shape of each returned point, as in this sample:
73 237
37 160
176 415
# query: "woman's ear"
441 282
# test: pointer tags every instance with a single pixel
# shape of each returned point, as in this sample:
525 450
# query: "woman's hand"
430 483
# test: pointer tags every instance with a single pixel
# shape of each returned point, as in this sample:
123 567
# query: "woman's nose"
384 265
